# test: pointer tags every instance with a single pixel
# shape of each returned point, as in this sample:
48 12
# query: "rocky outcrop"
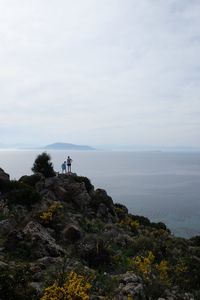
43 244
130 285
71 233
52 226
4 176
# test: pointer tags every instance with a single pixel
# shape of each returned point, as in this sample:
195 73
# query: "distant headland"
67 146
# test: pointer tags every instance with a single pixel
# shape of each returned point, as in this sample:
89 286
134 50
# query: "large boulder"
103 206
130 285
71 233
94 252
43 244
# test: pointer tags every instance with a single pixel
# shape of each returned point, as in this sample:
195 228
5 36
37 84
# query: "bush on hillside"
30 180
89 187
43 165
23 194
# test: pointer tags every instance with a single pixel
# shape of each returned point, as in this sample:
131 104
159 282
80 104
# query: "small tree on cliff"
43 165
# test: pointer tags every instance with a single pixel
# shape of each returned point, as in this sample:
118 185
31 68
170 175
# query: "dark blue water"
162 186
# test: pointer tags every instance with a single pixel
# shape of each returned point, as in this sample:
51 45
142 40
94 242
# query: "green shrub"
195 241
14 284
96 254
43 165
142 220
159 225
30 180
99 197
22 194
142 243
6 186
121 210
92 226
89 187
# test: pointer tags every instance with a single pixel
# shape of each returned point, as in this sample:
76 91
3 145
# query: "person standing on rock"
64 168
69 163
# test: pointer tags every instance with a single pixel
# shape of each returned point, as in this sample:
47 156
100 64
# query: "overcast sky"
100 71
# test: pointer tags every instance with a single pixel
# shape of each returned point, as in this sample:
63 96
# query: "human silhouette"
63 166
69 163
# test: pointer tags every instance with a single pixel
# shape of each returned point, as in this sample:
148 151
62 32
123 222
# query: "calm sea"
161 186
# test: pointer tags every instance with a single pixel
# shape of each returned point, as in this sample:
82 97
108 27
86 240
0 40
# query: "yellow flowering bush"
130 222
47 216
163 269
119 210
144 264
76 287
180 268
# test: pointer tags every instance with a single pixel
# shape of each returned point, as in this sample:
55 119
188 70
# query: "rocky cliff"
62 239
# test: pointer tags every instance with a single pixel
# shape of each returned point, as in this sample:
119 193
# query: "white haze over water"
162 186
100 71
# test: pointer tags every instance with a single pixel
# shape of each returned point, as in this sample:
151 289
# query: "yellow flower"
144 264
47 216
76 287
163 269
130 222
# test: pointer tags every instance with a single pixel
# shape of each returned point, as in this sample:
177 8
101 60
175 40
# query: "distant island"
67 146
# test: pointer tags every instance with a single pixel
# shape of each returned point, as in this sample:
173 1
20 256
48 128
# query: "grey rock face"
43 243
130 284
71 233
6 226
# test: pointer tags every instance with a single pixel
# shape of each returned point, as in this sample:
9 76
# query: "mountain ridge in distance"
67 146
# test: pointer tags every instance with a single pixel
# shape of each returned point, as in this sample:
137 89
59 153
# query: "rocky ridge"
50 227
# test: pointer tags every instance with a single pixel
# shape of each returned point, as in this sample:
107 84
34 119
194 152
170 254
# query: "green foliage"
43 165
89 187
3 185
143 243
155 275
122 262
195 241
22 194
142 220
97 256
47 216
14 284
30 180
130 223
189 278
92 226
75 287
121 210
6 186
145 221
106 284
159 225
101 197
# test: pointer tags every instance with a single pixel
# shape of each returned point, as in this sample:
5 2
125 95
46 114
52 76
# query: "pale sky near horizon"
100 72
